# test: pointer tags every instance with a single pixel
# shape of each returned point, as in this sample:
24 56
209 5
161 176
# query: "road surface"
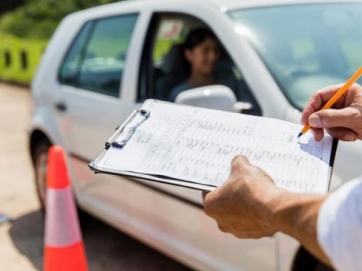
21 242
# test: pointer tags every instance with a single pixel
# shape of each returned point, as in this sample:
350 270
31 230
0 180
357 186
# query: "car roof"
238 4
225 5
221 5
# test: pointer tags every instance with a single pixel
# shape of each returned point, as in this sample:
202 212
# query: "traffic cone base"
69 258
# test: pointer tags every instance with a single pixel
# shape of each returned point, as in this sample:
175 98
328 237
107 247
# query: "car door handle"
61 106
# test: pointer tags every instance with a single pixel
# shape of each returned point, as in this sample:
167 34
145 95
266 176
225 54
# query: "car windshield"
305 47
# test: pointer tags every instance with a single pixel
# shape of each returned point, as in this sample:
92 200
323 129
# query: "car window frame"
145 78
144 83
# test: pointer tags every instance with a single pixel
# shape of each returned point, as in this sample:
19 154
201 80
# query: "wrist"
292 212
297 216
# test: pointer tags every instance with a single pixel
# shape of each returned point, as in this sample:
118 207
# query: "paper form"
197 145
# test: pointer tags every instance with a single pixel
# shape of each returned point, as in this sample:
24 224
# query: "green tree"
39 19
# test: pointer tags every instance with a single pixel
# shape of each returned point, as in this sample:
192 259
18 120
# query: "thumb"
239 163
330 118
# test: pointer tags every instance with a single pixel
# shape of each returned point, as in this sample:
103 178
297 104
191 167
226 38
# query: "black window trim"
144 84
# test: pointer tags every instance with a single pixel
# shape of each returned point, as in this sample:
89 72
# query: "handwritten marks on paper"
197 145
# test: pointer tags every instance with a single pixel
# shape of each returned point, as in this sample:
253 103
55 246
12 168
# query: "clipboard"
124 133
115 141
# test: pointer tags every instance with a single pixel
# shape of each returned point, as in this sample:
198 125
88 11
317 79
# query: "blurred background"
25 28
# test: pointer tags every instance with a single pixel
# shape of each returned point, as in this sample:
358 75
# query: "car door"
160 71
89 102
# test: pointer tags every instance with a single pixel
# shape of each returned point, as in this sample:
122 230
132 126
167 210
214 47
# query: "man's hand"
343 121
249 205
241 206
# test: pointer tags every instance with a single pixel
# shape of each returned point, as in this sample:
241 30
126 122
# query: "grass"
14 46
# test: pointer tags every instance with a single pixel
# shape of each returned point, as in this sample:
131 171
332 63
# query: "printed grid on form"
197 145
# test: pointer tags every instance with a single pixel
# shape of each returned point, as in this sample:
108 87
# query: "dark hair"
197 36
194 38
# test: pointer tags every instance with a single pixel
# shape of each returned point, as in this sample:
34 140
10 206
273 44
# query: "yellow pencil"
336 96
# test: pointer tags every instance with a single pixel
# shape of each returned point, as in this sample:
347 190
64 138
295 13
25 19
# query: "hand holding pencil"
343 120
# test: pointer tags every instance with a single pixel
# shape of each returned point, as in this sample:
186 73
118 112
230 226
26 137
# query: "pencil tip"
299 135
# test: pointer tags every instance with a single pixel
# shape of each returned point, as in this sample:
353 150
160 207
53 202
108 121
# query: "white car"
102 63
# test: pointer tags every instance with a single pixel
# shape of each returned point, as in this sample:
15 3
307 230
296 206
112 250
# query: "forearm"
297 215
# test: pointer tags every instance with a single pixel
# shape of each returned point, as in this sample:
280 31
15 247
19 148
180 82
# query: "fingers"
239 159
349 117
317 101
318 134
239 164
344 134
239 205
343 121
352 97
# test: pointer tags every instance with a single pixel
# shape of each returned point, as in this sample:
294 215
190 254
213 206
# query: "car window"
168 66
98 64
70 66
305 46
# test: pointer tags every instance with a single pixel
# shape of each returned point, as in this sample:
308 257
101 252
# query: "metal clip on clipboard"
124 133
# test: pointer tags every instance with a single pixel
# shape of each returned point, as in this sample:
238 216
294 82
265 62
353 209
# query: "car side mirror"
215 97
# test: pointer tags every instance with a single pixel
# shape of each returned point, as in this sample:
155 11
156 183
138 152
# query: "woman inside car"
201 52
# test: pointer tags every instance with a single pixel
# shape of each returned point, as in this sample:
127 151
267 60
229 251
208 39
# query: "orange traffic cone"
64 250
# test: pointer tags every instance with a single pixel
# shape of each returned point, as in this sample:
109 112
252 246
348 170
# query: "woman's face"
203 56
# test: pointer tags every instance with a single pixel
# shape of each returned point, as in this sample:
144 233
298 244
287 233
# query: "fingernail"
315 121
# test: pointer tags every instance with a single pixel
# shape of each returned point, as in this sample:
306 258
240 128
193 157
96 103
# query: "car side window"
168 67
71 63
98 57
